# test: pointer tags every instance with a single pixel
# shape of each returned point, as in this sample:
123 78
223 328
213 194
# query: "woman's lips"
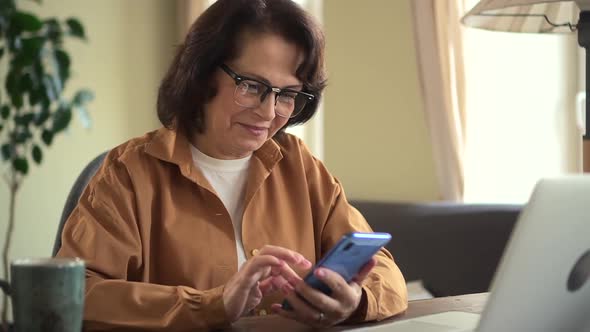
255 130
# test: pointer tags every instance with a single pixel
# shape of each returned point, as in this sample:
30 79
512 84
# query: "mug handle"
5 286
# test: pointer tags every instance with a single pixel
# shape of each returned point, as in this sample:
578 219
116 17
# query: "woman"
219 214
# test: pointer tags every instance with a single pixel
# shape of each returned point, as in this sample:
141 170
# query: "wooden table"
468 303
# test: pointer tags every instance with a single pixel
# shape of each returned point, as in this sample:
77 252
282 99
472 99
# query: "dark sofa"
452 248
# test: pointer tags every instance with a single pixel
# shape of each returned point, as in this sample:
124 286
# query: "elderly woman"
218 214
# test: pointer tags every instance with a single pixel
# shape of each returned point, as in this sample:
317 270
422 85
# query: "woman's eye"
253 88
288 97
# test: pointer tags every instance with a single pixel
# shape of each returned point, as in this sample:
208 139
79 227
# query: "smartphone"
346 258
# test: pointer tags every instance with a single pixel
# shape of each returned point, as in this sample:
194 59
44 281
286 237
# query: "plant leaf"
47 137
15 44
58 84
24 119
37 154
34 96
41 117
5 112
23 136
63 66
84 116
26 83
13 87
50 89
39 94
30 51
26 21
17 100
54 32
21 165
83 96
7 6
6 151
61 119
12 80
76 28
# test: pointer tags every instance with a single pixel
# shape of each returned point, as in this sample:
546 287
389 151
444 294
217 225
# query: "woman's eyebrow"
300 86
262 79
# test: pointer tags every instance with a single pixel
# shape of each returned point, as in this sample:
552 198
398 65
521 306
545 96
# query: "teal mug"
47 294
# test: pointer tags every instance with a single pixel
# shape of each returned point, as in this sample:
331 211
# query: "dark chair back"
74 196
454 248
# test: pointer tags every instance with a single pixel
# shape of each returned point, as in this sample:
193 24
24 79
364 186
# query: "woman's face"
233 131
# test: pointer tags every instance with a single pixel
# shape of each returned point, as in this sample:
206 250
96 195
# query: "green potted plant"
34 70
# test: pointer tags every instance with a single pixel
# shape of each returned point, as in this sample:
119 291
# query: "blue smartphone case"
347 258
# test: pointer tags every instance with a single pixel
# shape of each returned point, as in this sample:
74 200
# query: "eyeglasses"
251 93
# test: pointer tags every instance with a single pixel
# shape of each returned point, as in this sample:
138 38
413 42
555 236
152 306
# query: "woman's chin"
247 147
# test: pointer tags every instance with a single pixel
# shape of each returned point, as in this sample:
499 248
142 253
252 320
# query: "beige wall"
376 140
129 46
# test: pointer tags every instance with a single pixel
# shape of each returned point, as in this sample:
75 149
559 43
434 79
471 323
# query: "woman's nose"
266 110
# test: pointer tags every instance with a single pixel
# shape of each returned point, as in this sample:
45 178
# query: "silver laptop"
543 280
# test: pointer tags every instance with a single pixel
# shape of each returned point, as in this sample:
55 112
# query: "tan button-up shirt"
159 244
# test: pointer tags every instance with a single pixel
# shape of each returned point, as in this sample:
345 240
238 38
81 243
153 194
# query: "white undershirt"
228 178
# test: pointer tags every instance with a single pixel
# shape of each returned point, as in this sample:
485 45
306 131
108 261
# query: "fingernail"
302 259
320 273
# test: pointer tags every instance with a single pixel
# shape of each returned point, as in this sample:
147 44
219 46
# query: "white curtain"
438 39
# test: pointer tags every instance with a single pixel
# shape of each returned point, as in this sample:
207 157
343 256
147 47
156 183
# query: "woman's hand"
261 274
322 310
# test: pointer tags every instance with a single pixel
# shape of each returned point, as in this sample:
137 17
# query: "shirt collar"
173 146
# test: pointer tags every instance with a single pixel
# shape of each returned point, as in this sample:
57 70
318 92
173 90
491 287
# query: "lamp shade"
534 16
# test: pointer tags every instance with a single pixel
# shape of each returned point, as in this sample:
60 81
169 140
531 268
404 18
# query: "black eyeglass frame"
278 91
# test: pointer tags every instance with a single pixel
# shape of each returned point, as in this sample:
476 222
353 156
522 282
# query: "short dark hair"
213 39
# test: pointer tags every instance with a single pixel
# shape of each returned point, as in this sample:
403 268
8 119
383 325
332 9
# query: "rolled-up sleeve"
103 231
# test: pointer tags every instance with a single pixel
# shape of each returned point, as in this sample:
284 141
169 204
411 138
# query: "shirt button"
262 312
255 252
